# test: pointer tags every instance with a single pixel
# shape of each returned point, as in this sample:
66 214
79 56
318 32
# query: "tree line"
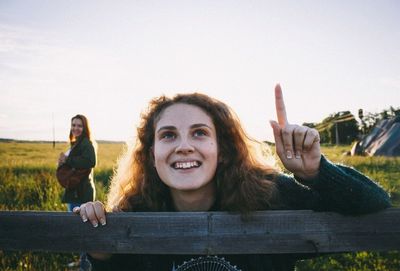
343 127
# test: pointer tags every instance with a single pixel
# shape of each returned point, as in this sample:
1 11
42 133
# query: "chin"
189 187
186 188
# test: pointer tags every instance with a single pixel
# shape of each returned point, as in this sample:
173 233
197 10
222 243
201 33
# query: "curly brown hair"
244 181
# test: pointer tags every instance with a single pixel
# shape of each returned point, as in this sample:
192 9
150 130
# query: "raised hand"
297 146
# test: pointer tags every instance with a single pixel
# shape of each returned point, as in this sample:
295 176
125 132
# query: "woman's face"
185 148
76 127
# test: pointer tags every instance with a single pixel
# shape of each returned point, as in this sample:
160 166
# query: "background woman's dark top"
337 188
81 156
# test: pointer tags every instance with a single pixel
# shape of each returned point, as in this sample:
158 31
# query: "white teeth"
186 165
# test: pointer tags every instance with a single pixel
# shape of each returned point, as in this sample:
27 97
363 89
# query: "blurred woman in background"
80 155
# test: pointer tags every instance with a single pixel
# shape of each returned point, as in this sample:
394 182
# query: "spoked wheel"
209 263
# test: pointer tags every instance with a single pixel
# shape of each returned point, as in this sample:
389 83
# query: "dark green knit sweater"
337 188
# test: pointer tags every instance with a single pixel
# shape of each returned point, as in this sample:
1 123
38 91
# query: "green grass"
27 174
27 182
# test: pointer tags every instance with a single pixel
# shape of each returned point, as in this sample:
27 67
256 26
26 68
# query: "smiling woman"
192 154
185 154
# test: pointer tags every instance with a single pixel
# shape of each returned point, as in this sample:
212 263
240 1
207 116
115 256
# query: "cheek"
212 151
158 154
160 164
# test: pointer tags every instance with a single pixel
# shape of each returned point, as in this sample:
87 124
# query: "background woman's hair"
243 176
85 132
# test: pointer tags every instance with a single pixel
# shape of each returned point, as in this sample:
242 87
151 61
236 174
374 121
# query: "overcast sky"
107 59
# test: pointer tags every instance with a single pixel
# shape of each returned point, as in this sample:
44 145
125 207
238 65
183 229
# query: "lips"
186 164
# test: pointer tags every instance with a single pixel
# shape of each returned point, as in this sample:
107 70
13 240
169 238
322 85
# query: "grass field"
27 182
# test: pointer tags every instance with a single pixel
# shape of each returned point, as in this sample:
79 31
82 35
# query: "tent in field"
383 140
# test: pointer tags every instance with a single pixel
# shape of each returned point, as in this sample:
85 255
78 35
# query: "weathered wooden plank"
269 232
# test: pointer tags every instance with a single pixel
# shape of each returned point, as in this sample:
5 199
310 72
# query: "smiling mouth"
186 165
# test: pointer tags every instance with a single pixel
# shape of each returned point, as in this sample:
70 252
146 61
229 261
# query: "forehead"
77 121
183 114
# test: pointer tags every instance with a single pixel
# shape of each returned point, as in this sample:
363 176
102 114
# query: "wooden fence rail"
271 232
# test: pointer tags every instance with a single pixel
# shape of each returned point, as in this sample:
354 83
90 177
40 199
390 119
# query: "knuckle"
287 131
299 132
288 146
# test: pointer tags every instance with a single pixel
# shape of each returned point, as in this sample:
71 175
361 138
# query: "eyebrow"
170 127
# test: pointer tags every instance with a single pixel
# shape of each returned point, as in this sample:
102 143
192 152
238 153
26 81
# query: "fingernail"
288 154
298 155
84 218
103 222
95 224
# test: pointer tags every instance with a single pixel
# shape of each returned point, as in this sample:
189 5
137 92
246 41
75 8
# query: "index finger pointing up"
280 106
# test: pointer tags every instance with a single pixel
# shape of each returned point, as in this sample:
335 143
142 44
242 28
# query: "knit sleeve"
337 188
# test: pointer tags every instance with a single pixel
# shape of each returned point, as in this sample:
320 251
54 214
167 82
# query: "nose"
184 147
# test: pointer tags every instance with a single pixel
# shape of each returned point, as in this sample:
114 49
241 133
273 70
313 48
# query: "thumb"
278 138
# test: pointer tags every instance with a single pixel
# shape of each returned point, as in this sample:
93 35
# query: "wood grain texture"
270 232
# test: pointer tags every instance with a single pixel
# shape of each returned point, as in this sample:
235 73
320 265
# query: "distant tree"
345 125
369 120
340 127
384 115
394 112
